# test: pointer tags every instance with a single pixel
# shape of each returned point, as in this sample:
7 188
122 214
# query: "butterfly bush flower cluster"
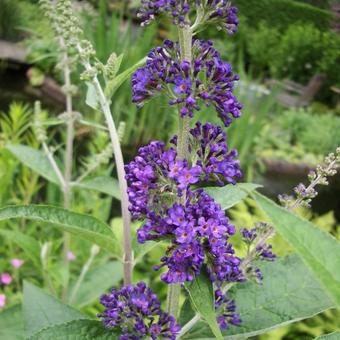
209 81
166 189
136 310
217 12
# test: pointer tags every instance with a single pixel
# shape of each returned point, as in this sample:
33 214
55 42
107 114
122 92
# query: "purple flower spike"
136 311
209 81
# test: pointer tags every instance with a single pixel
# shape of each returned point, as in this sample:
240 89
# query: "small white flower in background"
6 279
70 256
17 263
2 300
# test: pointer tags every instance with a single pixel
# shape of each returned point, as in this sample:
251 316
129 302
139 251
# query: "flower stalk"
185 42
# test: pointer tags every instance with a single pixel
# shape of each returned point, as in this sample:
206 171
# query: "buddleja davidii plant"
163 181
164 191
162 185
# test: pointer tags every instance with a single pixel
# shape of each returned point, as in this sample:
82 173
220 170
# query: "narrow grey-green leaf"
288 293
113 85
97 281
230 195
83 226
12 324
104 184
140 250
76 330
41 310
35 160
319 250
202 298
28 244
330 336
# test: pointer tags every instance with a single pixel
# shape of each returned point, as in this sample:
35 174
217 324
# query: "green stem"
185 43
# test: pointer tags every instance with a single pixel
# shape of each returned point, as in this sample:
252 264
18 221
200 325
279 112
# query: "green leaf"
12 324
288 293
104 184
96 281
319 250
28 244
76 330
113 85
140 250
187 313
83 226
201 293
330 336
41 310
230 195
35 160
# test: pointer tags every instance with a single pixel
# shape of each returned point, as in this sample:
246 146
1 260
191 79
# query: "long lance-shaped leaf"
202 298
83 226
74 330
289 293
41 310
35 160
319 250
230 195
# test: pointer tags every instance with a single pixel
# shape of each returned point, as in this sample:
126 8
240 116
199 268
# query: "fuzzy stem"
185 43
68 158
117 151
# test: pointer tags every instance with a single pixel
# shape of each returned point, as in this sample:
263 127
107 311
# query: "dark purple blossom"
156 175
136 311
226 309
210 80
217 12
199 233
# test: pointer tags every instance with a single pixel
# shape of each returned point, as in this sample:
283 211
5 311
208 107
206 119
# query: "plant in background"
180 193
